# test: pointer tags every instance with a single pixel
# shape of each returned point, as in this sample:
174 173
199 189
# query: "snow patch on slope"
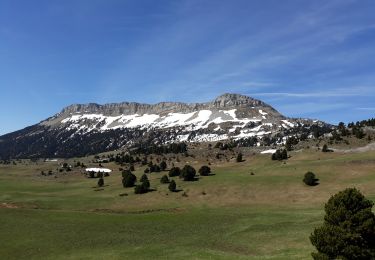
196 120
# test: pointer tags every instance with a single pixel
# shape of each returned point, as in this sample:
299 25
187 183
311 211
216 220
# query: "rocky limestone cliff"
225 101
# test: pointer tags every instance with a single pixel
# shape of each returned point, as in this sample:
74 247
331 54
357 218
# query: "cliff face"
82 129
225 101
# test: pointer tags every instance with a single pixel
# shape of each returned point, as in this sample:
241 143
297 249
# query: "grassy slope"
230 215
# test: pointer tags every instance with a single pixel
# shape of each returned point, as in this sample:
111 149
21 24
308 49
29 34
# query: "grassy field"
230 215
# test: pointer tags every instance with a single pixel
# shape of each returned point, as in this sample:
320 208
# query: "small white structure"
269 151
98 170
50 160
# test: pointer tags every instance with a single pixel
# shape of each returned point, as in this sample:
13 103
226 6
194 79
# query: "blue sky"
306 58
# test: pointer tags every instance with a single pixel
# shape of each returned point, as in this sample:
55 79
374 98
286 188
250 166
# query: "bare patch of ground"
5 205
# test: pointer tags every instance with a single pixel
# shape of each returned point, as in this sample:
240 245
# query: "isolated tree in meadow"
188 173
348 231
310 179
239 157
164 179
204 170
174 171
172 186
139 189
101 182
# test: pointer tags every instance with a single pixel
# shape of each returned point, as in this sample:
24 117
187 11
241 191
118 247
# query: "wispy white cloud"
308 95
366 108
308 109
359 91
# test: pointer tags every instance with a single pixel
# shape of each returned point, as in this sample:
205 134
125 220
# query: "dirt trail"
369 147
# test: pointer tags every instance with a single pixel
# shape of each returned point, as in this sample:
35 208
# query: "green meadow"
256 209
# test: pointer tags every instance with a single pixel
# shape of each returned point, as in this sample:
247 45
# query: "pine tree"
172 186
310 179
128 179
348 231
174 171
143 178
163 165
204 170
239 157
164 179
188 173
101 182
284 155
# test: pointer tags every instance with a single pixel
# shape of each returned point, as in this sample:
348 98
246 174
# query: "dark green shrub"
139 189
144 178
101 182
172 186
146 184
280 155
204 170
125 173
128 179
188 173
174 171
164 179
310 179
163 165
154 168
239 157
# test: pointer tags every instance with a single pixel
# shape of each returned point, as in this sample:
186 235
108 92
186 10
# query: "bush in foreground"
348 231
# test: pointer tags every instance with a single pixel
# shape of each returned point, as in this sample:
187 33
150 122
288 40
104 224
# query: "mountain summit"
82 129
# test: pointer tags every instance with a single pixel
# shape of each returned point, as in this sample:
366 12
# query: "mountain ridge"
223 101
81 129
